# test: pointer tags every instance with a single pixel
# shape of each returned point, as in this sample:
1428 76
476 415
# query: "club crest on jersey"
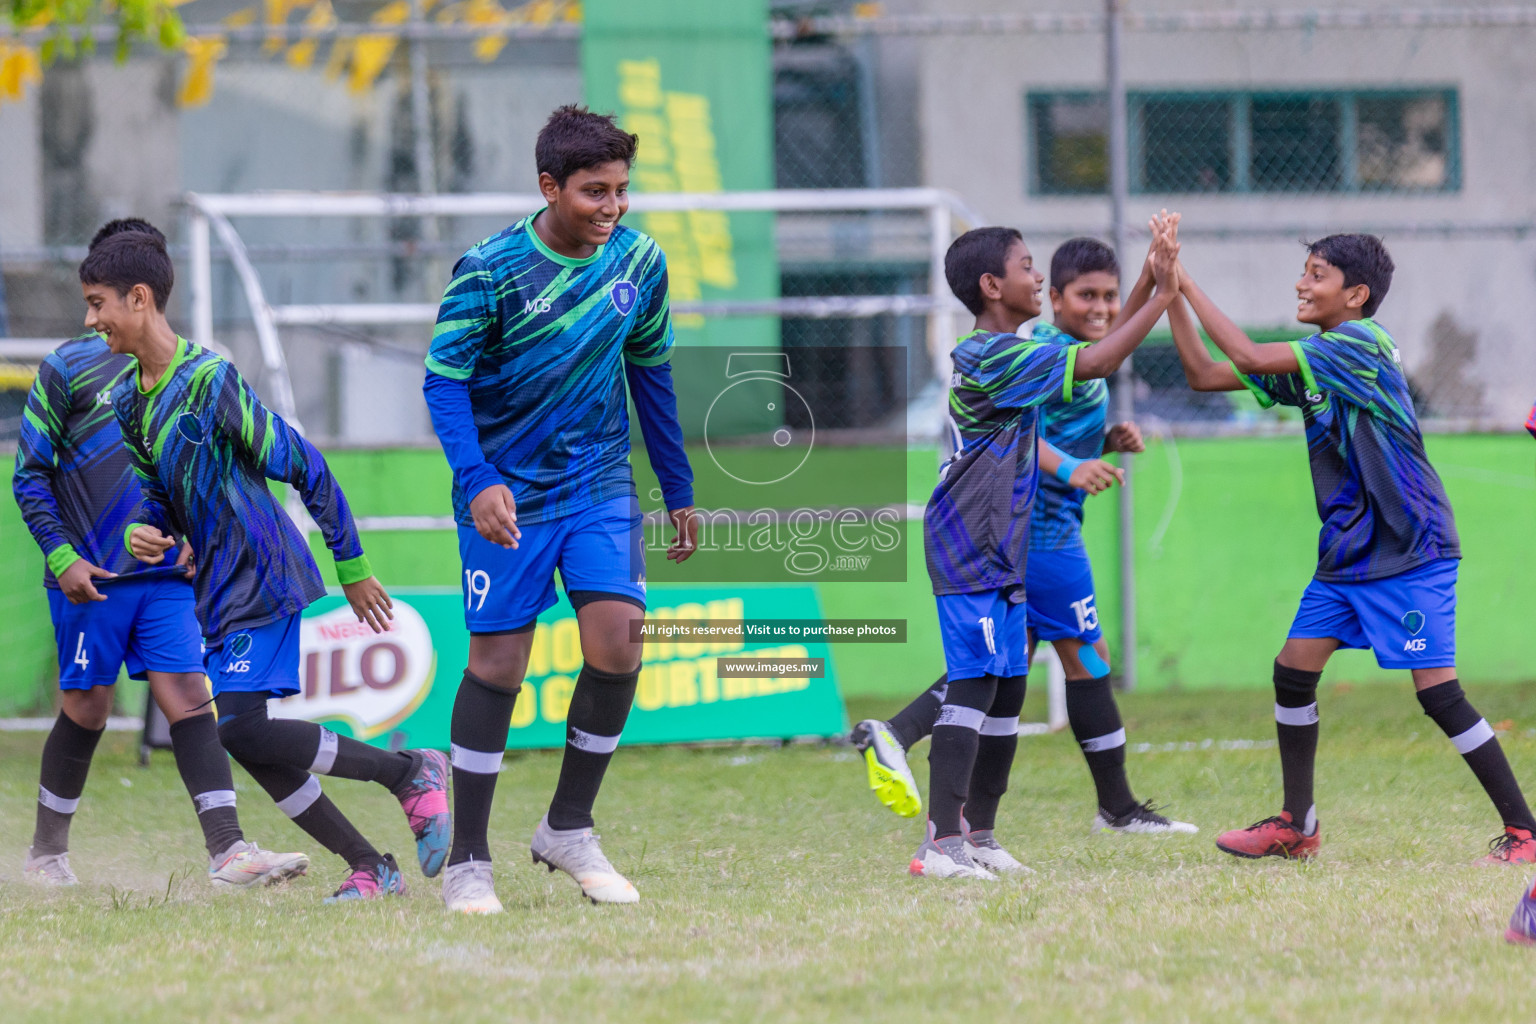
1413 622
623 295
240 645
188 427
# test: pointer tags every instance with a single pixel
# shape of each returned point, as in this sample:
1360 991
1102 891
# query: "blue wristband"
1068 466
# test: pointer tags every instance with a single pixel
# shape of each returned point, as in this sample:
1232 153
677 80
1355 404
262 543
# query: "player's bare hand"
149 545
184 560
76 582
1096 475
686 522
1165 251
370 603
1124 437
495 514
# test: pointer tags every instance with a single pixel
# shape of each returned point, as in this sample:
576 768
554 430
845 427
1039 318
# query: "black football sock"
297 794
1096 725
66 762
913 722
1296 736
599 708
952 751
482 717
204 768
995 747
1474 739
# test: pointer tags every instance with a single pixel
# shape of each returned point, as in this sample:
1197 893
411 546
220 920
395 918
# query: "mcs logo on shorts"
239 647
1413 622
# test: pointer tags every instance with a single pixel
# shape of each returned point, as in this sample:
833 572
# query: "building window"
1200 142
1070 143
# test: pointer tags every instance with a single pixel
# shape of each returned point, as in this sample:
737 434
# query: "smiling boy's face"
590 203
1018 290
117 318
1087 306
1322 299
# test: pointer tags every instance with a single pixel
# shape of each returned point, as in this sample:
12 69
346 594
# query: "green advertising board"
397 688
693 79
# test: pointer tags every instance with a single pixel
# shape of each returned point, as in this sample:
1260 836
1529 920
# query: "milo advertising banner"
397 688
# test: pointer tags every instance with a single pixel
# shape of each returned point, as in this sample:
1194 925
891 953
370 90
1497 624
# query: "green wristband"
353 570
61 558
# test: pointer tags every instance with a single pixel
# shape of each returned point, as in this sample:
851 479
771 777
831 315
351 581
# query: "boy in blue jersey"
1388 551
76 491
203 448
976 530
539 330
1060 606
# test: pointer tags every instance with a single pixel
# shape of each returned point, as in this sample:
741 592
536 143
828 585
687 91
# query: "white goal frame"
211 214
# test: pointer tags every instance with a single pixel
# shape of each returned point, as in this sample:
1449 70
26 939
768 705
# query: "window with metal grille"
1249 141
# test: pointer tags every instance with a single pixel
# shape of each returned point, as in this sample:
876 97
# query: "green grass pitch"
774 888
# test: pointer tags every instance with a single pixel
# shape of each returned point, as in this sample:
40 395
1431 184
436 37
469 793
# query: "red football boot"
1272 837
1515 846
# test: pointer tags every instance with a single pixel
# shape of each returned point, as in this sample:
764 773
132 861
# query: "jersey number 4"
80 656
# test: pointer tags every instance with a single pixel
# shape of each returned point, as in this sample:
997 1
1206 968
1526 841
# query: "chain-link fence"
1262 132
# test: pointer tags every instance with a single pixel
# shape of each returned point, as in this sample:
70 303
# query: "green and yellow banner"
397 688
693 79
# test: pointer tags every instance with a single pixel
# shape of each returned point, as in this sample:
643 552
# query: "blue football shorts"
599 550
1408 620
983 633
263 658
1058 587
148 624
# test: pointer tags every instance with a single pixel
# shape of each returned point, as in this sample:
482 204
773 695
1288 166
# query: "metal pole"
1119 186
202 280
421 118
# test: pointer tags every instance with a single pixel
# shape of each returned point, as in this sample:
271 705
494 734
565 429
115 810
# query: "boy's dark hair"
1078 256
128 258
977 252
117 227
574 139
1363 259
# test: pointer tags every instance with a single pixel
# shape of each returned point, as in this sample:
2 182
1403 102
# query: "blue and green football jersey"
73 481
976 525
541 341
1383 508
1073 423
204 447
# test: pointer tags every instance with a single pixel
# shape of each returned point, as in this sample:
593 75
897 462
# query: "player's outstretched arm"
1141 291
283 454
1104 357
1247 355
1201 371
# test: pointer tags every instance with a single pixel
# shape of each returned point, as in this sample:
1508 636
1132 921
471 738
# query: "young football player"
539 331
1388 551
977 524
76 489
203 447
1058 582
